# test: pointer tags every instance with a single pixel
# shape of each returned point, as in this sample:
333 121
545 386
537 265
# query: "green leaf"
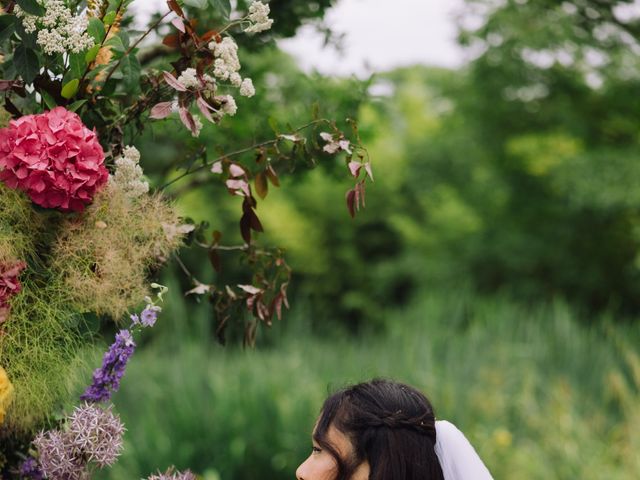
26 62
70 88
7 26
77 65
109 17
96 29
273 123
116 44
28 39
91 54
131 68
31 6
76 105
48 100
223 6
200 4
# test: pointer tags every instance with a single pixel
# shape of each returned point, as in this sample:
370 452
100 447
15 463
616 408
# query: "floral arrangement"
82 231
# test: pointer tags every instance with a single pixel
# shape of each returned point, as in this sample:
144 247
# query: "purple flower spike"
106 379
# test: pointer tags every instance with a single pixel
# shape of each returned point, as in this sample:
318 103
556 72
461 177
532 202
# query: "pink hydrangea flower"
9 283
54 158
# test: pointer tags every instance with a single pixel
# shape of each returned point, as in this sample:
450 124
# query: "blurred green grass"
540 394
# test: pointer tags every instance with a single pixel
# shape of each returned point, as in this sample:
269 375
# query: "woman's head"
378 430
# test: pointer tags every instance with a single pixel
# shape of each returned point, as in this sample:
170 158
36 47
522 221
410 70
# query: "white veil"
458 459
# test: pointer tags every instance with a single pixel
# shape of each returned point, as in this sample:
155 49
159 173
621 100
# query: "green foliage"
539 394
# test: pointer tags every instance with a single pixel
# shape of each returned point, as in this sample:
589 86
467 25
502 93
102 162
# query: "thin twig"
239 152
132 47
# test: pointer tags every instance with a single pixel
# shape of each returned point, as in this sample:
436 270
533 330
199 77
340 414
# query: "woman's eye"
315 449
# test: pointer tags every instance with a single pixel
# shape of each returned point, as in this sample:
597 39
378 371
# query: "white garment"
458 459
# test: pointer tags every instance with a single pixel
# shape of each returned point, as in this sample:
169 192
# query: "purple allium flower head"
58 458
149 315
135 319
96 433
171 474
106 379
31 470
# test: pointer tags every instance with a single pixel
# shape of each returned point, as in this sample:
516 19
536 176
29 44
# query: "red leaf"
262 187
361 194
161 110
351 200
171 41
173 5
179 24
272 176
214 258
171 80
245 228
204 108
209 35
278 306
255 221
187 119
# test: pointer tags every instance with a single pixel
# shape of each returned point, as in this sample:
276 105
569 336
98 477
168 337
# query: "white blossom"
226 58
246 88
258 18
235 79
229 106
189 78
128 175
59 31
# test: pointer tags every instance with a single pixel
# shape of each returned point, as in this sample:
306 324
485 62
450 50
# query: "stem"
239 152
104 39
132 47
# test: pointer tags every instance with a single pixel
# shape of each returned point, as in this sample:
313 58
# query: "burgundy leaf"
214 258
272 176
351 199
255 221
171 80
187 119
161 110
204 108
173 5
245 228
262 187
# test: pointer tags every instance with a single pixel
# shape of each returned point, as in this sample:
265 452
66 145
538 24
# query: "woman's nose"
300 471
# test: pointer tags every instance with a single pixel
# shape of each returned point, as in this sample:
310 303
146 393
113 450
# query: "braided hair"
390 425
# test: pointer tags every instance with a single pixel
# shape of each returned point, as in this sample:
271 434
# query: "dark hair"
390 425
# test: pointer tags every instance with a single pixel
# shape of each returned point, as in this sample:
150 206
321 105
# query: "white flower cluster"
59 31
226 60
259 18
128 175
226 65
189 78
